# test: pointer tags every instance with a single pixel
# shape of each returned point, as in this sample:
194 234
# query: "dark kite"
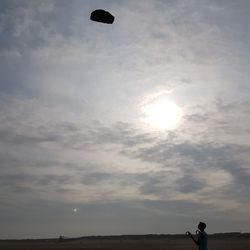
102 16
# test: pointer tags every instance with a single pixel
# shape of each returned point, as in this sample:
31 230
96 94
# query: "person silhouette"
201 241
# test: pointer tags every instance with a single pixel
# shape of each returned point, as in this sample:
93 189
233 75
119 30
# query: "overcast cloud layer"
71 127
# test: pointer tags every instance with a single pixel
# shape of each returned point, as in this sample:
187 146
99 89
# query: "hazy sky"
142 126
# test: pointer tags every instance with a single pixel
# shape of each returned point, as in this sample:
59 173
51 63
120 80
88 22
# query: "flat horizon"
128 236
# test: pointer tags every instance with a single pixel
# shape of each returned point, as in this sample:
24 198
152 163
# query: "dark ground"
216 242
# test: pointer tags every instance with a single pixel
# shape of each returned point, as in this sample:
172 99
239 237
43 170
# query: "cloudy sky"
142 126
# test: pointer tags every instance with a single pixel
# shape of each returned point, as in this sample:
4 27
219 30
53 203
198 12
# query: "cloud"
70 98
181 167
189 184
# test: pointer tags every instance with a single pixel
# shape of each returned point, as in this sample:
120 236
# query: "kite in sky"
102 16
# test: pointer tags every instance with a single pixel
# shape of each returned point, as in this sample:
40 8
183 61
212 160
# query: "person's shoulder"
205 234
202 234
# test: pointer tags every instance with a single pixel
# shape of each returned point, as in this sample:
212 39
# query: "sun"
162 114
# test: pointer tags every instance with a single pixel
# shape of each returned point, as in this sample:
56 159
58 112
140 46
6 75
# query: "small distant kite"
102 16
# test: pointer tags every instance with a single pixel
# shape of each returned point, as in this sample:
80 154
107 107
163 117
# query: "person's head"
202 226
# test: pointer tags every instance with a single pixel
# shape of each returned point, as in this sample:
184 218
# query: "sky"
137 127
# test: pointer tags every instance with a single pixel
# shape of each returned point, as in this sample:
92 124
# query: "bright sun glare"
162 114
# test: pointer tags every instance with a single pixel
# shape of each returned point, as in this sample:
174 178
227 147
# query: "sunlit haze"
162 114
